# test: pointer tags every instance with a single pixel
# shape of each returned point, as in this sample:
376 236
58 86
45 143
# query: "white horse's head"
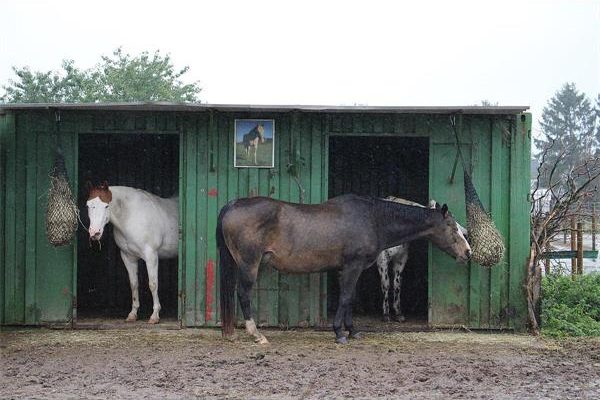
98 203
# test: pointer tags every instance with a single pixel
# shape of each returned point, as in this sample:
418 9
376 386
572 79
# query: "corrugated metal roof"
190 107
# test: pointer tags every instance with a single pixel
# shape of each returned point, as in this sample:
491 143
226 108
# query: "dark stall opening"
383 166
145 161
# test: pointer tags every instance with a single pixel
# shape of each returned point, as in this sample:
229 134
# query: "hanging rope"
486 241
61 211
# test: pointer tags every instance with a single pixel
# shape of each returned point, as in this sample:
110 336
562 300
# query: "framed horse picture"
254 143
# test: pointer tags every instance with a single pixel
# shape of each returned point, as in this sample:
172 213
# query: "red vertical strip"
210 287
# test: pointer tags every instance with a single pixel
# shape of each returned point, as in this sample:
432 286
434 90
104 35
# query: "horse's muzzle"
465 258
95 235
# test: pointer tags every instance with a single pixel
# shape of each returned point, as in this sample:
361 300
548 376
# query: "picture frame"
254 143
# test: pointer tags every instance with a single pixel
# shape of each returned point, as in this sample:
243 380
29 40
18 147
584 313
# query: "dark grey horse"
346 233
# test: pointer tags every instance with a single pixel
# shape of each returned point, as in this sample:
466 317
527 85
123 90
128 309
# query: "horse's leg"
398 266
382 266
247 277
131 263
348 278
151 258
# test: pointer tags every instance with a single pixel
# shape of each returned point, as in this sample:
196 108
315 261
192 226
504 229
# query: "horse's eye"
106 206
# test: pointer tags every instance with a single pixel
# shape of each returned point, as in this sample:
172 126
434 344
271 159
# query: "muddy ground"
192 363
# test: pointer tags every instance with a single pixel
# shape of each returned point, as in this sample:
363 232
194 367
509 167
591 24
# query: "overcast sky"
413 53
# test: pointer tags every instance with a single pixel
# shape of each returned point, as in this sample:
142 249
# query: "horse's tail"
229 274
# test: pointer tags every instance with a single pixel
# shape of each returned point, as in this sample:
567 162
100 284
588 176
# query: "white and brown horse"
252 139
145 227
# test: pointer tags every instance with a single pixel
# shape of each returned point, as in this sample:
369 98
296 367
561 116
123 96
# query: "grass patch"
571 307
264 155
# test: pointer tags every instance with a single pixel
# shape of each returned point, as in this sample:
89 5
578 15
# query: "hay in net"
486 241
61 211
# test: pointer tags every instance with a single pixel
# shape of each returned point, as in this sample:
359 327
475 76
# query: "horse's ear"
433 204
444 210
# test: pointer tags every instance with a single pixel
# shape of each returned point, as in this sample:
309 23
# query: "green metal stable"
38 283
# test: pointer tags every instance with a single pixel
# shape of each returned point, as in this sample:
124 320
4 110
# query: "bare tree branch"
552 207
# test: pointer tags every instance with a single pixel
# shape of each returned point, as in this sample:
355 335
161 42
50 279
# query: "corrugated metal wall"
38 282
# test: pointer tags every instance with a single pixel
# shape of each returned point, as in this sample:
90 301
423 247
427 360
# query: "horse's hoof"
153 321
131 318
399 318
341 340
355 335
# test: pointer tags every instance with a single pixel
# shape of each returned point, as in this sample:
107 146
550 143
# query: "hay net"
61 211
486 241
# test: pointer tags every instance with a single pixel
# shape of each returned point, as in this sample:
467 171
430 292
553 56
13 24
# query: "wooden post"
579 248
594 226
573 248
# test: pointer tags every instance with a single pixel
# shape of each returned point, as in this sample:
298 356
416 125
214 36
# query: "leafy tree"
568 125
118 78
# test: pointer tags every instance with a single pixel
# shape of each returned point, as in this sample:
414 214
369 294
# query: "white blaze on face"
99 213
460 233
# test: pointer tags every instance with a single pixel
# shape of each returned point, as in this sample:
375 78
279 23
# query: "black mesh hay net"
61 211
486 241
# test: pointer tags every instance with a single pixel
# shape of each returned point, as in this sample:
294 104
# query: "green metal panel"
7 132
449 288
30 222
519 214
54 266
500 211
192 242
209 304
479 297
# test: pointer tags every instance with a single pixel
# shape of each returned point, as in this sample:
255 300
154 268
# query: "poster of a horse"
254 143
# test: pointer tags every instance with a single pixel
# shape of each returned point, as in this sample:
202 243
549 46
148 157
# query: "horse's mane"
394 208
403 201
